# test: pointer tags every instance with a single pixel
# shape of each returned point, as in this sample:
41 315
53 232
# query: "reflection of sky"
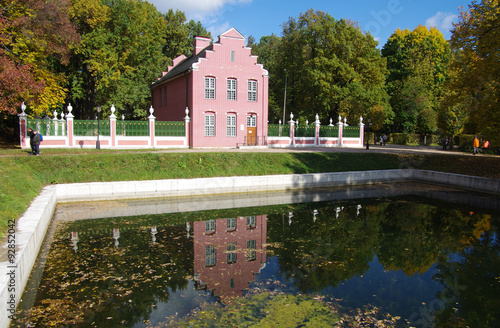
180 303
395 292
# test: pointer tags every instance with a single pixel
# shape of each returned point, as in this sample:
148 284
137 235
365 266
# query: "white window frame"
210 226
209 87
252 90
231 89
210 255
252 121
231 125
251 221
231 256
251 253
209 125
231 224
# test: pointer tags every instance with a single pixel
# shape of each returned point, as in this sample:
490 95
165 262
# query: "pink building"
224 89
228 253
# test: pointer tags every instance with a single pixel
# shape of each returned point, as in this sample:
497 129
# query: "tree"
268 54
120 55
333 68
477 35
418 63
35 39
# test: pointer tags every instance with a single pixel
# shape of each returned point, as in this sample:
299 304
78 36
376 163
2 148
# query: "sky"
259 18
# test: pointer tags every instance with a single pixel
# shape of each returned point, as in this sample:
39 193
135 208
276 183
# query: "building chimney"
200 43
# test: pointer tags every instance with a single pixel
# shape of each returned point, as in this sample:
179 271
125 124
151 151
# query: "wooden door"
251 130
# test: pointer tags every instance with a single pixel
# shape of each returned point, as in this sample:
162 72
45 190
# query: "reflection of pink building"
228 253
224 89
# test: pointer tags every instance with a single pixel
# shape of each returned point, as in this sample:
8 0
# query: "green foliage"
119 56
478 67
418 66
332 68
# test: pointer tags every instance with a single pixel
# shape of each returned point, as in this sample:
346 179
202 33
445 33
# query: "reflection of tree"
413 234
406 236
107 285
471 286
323 253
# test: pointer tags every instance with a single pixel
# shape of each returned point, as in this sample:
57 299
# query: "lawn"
23 176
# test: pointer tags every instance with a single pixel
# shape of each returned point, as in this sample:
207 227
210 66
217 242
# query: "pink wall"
218 277
217 63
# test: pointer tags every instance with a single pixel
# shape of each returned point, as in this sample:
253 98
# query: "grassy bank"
22 177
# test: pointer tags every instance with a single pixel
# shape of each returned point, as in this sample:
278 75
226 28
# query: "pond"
391 256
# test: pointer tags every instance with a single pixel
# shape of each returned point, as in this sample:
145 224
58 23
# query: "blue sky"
264 17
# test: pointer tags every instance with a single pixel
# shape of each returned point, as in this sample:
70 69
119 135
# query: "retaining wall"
32 226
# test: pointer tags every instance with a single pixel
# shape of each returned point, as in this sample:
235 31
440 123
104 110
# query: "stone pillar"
56 124
112 126
152 121
23 124
187 127
292 130
62 121
361 131
69 127
341 131
317 124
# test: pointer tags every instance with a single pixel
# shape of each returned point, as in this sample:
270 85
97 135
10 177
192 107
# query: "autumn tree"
120 55
333 69
477 36
35 39
418 62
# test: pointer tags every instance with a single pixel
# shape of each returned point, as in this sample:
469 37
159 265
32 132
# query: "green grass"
22 177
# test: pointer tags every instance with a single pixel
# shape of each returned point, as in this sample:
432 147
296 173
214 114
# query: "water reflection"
429 263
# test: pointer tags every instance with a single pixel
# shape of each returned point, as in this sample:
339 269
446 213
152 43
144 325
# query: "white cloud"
208 12
442 21
195 7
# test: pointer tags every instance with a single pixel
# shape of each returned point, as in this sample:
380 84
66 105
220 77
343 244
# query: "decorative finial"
113 109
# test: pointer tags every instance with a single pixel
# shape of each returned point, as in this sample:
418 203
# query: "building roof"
182 67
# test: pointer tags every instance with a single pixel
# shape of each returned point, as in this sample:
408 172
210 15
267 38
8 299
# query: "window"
251 221
210 125
232 55
251 121
231 253
251 253
231 125
210 226
230 224
209 255
209 87
164 96
252 90
231 89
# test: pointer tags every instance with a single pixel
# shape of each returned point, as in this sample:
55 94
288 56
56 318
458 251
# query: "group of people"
35 139
476 144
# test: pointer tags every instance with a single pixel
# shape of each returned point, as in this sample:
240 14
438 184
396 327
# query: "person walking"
445 142
486 145
475 145
35 146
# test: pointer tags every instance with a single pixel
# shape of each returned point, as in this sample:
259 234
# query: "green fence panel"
46 127
305 130
132 128
170 129
350 132
278 130
329 131
90 128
